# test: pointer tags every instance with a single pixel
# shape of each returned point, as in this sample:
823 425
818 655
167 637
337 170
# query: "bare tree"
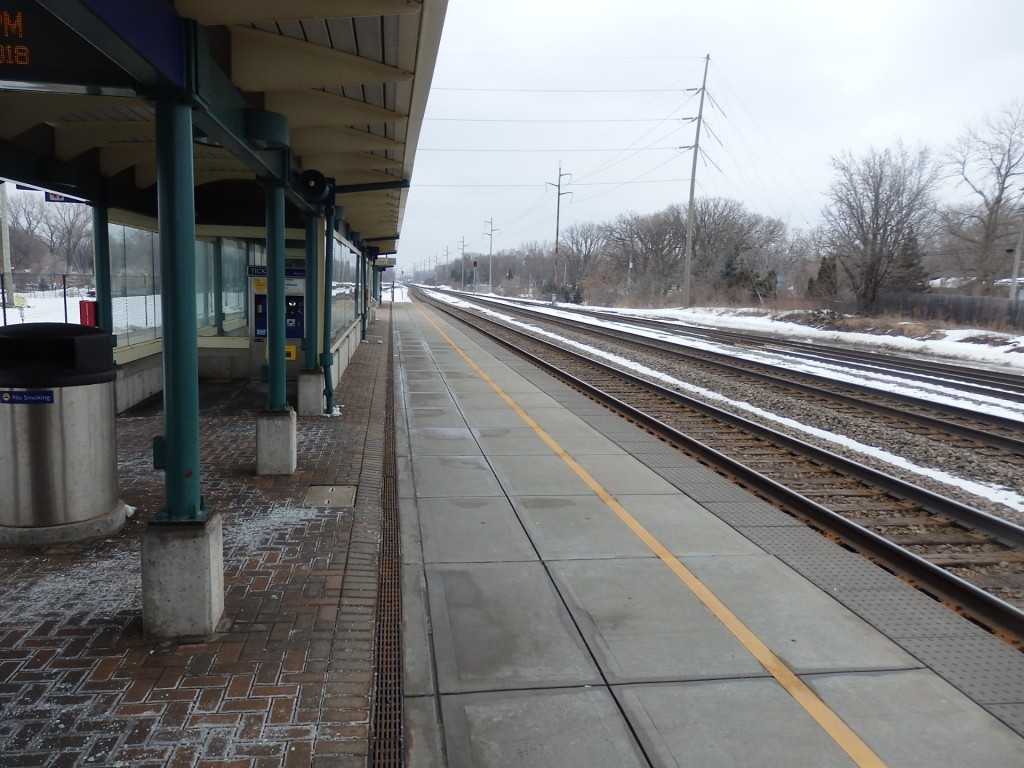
735 250
646 251
69 231
879 207
988 161
27 212
65 229
583 248
527 269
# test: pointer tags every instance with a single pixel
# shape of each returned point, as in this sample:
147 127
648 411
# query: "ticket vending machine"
294 318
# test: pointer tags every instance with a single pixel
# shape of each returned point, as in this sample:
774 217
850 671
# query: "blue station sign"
27 397
261 271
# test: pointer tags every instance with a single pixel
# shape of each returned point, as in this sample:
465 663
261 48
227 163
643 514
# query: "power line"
566 58
634 180
627 154
755 156
610 162
474 186
535 206
518 120
575 184
557 90
609 149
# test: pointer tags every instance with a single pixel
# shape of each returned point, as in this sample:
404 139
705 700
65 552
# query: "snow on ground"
1001 495
958 344
1005 349
395 292
44 307
934 389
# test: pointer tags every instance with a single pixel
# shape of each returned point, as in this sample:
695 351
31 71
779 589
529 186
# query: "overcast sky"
608 89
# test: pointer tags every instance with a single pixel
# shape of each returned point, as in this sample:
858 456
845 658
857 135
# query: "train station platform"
578 593
574 593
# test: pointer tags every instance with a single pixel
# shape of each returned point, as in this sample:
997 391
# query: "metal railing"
43 297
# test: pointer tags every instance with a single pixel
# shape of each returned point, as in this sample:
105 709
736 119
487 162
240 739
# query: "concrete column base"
311 393
183 578
44 535
276 443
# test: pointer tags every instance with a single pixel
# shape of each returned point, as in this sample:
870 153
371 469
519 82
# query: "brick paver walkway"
288 681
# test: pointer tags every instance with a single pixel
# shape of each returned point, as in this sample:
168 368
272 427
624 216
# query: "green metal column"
364 285
327 357
218 284
364 296
312 308
101 258
372 252
177 452
277 396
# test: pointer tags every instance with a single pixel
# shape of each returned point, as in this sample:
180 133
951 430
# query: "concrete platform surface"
577 595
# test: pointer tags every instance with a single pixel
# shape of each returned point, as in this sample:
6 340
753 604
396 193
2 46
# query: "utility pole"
558 216
490 252
462 245
5 243
1015 273
687 264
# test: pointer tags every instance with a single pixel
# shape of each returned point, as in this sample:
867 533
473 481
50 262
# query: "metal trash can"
58 441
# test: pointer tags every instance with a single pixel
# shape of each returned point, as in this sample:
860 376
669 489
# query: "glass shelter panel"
206 306
345 284
221 284
234 283
135 284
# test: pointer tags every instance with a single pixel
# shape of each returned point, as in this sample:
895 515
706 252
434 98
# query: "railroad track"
913 532
980 381
949 449
996 437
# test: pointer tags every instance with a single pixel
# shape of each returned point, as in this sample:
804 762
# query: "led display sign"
36 48
13 50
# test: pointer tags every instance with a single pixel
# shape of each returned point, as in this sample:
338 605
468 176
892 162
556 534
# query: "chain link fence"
991 312
44 298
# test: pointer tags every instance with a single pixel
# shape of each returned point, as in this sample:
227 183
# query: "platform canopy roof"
79 80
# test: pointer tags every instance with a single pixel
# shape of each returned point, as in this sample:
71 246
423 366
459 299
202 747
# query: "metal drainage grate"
387 749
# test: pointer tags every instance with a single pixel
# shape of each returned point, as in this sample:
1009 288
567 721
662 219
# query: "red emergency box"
87 312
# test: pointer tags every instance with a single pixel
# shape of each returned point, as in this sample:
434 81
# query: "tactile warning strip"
1011 714
747 513
684 477
720 490
902 613
612 427
987 670
819 560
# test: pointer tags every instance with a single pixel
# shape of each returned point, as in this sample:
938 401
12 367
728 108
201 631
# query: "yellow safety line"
830 722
